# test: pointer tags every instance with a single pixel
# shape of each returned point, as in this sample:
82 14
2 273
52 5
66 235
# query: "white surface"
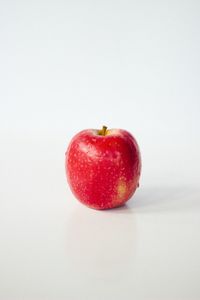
52 247
66 66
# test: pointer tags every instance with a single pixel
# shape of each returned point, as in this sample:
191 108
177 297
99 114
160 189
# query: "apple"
103 167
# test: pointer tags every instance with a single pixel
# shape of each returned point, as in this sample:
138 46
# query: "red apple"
103 167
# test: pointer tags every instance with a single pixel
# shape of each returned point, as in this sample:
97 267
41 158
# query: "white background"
70 65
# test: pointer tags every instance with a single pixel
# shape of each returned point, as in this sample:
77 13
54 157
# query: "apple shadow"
161 200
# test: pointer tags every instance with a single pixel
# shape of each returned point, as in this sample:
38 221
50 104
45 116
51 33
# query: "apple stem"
103 131
104 128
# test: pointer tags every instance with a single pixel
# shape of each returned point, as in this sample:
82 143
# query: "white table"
52 247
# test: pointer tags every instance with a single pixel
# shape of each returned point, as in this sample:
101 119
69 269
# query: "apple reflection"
101 244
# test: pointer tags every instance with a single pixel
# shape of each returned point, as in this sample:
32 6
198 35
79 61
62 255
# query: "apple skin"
103 171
